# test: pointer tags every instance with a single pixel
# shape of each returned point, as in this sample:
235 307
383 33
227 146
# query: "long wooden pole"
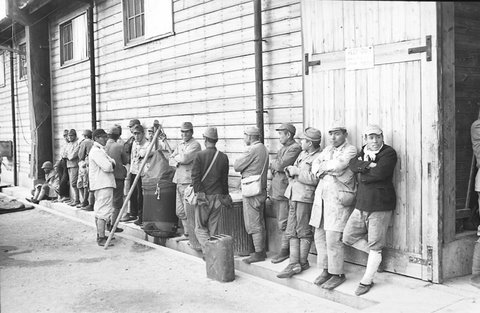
129 195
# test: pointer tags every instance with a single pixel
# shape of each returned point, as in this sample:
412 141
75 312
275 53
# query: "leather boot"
294 266
304 251
284 251
255 257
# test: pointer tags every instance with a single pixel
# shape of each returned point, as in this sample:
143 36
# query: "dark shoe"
81 205
87 208
322 278
334 282
74 203
290 270
128 218
362 289
138 222
117 230
102 241
255 257
282 256
304 266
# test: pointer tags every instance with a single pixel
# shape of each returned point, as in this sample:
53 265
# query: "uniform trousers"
207 215
298 221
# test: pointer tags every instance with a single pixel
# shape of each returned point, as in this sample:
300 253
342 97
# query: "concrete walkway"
391 293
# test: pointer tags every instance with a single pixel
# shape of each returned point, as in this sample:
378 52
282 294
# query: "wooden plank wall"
22 121
467 80
203 74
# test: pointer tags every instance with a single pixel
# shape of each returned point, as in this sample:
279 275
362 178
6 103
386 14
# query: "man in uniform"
366 228
333 204
300 192
212 191
115 151
182 157
102 182
72 164
286 156
82 183
253 162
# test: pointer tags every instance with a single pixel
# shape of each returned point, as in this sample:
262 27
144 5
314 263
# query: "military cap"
373 129
98 133
133 122
336 126
72 132
211 132
252 131
312 134
186 126
87 133
114 130
139 128
47 164
289 127
151 129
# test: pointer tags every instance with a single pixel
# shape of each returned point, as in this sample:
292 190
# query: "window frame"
22 61
129 43
3 80
67 20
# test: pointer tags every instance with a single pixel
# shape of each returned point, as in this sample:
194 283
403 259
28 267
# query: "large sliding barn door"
358 70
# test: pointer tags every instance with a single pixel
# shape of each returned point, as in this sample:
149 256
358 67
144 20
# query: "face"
102 140
71 137
305 144
374 141
337 137
47 170
284 136
131 129
247 139
150 135
138 135
187 135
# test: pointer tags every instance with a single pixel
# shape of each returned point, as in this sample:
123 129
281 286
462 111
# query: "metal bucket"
159 217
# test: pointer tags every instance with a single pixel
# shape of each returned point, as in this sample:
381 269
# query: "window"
73 40
2 69
147 19
22 63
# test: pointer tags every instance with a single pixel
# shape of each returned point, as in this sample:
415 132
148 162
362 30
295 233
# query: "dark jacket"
216 182
375 186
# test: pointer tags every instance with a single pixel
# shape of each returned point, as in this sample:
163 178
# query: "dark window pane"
139 26
131 8
131 28
138 7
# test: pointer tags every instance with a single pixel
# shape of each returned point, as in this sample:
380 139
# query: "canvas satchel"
189 194
252 185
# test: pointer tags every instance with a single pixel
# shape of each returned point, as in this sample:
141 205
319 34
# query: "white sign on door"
359 58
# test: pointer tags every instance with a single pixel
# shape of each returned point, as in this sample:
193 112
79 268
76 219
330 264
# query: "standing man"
300 192
82 183
475 135
61 165
212 189
182 157
286 156
116 152
72 164
102 182
366 229
253 162
333 204
139 151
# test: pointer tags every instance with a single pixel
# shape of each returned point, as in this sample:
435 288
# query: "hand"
291 170
226 200
372 165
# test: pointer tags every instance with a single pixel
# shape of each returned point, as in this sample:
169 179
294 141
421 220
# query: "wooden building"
411 67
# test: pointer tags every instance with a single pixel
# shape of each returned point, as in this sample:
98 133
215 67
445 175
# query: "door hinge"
427 262
309 63
427 48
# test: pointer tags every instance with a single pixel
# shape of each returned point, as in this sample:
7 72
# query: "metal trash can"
219 258
231 223
159 203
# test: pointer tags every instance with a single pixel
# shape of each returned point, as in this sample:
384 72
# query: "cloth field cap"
114 130
47 164
312 134
72 132
65 132
336 126
289 127
211 132
186 126
373 129
133 122
151 129
87 133
139 128
252 131
99 133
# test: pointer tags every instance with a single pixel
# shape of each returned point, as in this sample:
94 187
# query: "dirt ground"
52 264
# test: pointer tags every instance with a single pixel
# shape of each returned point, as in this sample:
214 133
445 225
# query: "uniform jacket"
71 150
139 151
475 135
115 151
375 187
183 156
335 193
100 169
84 148
253 161
285 156
302 187
216 182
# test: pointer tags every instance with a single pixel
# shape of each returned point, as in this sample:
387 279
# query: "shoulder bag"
189 194
252 185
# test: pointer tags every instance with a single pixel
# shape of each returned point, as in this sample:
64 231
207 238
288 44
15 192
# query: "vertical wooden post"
257 14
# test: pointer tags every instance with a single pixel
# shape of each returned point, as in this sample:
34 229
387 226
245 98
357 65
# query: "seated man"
47 190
